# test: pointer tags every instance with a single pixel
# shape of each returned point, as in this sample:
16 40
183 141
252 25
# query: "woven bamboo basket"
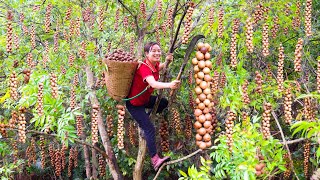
118 78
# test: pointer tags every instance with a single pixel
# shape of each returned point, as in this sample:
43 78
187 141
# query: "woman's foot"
157 161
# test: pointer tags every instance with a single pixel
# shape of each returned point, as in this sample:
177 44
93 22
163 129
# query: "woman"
147 76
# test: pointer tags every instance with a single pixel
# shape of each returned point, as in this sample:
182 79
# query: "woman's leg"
162 105
140 115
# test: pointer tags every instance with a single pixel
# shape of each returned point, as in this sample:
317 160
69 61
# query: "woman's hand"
174 84
169 58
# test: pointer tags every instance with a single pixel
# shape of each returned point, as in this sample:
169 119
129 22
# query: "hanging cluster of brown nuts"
280 68
55 42
3 130
120 55
202 68
82 50
29 60
229 128
308 17
16 41
215 83
13 120
259 167
143 9
287 106
159 7
187 24
102 166
116 22
265 40
259 81
164 135
27 74
57 162
45 59
40 100
70 162
269 72
275 27
287 10
176 121
13 84
306 155
214 121
132 133
79 125
63 69
296 20
157 34
68 13
71 60
298 55
249 34
101 18
266 116
54 85
47 18
233 46
94 123
258 13
15 151
211 17
73 98
188 128
308 109
33 36
86 14
132 46
318 76
43 152
22 128
223 80
9 32
245 119
63 156
52 154
245 96
287 173
77 25
220 22
31 153
120 132
109 126
126 22
75 156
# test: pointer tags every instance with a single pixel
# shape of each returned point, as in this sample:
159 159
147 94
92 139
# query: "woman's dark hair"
149 45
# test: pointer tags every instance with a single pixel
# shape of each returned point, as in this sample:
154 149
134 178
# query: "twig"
294 141
176 161
285 143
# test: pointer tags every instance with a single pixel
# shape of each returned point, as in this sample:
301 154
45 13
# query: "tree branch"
284 142
176 161
294 141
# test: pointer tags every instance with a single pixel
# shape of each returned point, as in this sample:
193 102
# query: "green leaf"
183 173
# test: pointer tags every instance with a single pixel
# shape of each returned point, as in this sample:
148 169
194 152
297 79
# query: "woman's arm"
161 85
169 57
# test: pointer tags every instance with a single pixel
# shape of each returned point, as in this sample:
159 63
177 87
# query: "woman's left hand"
169 57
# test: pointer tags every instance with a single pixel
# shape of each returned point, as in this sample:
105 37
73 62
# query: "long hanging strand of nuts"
308 18
287 10
287 106
287 165
79 125
13 120
275 27
13 84
57 162
126 22
188 128
132 47
132 133
73 98
101 18
229 128
280 69
176 119
249 35
116 23
220 22
54 85
110 126
15 151
169 21
55 42
143 9
68 13
47 18
40 100
33 36
70 162
159 7
306 155
71 60
77 25
9 40
52 154
298 55
102 166
22 128
259 81
266 116
211 17
265 40
63 156
94 123
245 96
157 34
296 20
164 135
82 50
187 24
120 131
29 60
75 156
43 152
258 13
308 109
16 41
233 46
215 83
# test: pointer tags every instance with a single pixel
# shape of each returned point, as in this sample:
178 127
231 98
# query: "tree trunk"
94 164
111 160
137 174
87 161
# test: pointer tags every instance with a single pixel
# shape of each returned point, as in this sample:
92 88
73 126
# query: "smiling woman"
146 77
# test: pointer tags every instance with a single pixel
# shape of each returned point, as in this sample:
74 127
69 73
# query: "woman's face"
154 53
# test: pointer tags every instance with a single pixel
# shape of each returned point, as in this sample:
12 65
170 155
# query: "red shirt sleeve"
145 71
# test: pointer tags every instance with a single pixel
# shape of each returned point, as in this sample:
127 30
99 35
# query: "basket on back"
121 67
